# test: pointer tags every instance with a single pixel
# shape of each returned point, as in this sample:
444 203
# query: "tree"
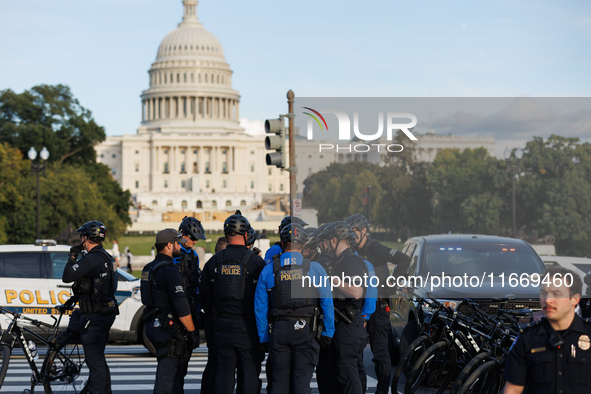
11 169
51 117
481 213
455 176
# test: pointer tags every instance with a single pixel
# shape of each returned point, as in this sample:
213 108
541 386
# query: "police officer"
379 323
227 288
294 308
94 288
275 250
348 302
251 239
167 317
192 231
553 355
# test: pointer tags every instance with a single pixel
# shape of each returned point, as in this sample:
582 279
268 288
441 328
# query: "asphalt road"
133 370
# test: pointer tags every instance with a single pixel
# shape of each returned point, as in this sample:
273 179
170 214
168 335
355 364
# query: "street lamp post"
37 168
513 168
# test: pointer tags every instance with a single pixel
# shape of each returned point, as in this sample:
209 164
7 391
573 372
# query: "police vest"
231 283
151 296
289 295
189 267
97 294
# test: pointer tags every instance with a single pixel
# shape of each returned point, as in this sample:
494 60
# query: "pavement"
133 370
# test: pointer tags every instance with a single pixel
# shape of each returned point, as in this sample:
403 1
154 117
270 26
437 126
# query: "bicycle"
63 369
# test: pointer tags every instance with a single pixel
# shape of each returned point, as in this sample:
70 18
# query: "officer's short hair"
160 247
577 283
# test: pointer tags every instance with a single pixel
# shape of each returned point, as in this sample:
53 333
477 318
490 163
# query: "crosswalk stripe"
131 369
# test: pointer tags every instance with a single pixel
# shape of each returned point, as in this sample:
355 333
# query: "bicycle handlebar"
21 316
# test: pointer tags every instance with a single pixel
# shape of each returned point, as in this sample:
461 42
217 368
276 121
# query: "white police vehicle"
31 283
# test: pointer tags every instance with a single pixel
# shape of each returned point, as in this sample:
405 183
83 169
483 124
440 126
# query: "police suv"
31 283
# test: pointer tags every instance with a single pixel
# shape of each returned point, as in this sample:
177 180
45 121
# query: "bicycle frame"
16 330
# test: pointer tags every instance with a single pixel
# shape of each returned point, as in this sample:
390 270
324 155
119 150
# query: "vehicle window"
405 247
475 259
125 276
21 265
58 263
414 259
409 249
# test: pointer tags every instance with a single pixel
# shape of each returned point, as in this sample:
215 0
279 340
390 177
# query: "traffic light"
275 140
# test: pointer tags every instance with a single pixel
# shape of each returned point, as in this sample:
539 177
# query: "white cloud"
462 25
506 20
253 127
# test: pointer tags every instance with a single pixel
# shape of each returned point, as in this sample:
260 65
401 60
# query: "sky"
323 48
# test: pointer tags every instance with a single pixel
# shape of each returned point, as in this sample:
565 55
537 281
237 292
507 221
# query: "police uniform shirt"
543 369
267 281
348 264
90 266
169 279
380 255
274 250
206 286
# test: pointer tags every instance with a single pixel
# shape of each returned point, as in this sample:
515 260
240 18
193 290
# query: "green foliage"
49 116
470 192
75 188
11 168
481 213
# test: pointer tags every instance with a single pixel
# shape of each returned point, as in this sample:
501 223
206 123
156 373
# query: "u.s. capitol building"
190 152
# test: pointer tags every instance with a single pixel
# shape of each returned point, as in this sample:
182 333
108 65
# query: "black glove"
265 347
325 341
75 250
194 339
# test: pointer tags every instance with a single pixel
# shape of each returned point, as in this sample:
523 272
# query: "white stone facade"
190 153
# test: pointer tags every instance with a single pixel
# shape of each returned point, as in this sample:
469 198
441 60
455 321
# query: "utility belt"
178 344
88 305
347 314
315 322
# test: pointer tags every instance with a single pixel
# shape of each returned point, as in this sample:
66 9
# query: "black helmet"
252 236
324 232
236 224
357 222
93 230
192 227
292 219
294 233
342 231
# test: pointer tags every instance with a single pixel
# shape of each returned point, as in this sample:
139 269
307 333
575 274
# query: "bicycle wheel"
477 361
432 370
485 379
407 361
4 359
65 369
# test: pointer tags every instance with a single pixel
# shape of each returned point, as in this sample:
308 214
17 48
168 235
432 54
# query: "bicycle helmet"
292 219
357 222
236 224
192 227
252 236
294 233
93 230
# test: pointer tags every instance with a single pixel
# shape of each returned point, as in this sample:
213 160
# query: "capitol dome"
190 79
